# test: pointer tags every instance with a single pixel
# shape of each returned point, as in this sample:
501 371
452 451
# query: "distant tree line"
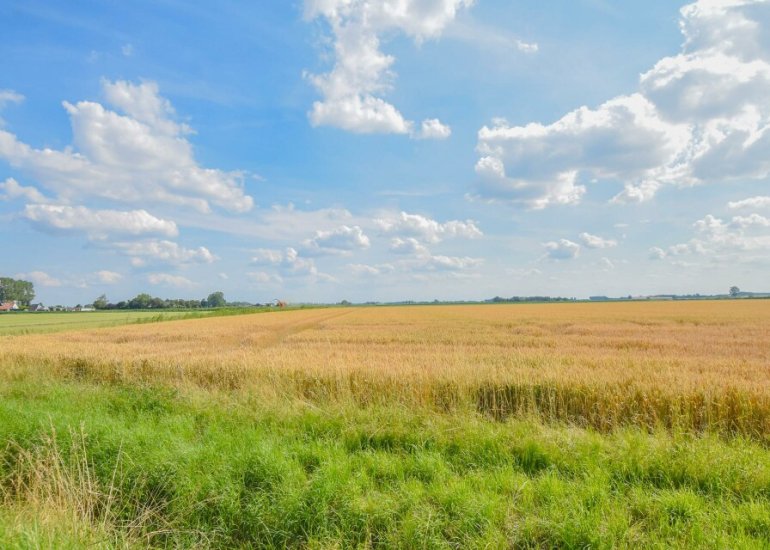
499 300
16 290
145 301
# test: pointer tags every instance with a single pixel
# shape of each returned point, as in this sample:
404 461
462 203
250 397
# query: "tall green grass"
84 464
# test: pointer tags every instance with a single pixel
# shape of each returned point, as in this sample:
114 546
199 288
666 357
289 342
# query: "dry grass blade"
57 484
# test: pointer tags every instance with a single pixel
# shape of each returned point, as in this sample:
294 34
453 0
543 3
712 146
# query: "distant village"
14 305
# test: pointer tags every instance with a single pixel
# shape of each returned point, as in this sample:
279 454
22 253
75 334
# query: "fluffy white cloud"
752 220
433 128
743 238
170 280
266 256
162 251
362 115
701 116
422 263
450 263
563 249
753 202
340 241
362 72
427 229
97 224
12 189
413 230
293 264
594 241
288 261
432 264
408 245
40 278
138 156
538 165
107 277
144 103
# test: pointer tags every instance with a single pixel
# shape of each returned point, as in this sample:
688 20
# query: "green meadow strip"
84 464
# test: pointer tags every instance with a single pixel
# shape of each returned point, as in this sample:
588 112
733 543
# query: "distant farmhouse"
9 306
752 295
38 307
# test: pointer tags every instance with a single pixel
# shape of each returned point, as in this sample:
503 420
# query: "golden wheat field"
688 365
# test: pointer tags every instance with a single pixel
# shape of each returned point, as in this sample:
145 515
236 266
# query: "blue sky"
401 149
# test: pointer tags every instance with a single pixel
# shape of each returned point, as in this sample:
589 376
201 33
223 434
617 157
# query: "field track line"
277 336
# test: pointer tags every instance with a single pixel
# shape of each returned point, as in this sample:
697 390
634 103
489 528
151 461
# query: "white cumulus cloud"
594 241
436 265
752 220
740 239
451 263
427 229
139 154
408 245
563 249
542 165
753 202
162 251
97 224
352 91
11 189
343 240
288 261
433 128
701 116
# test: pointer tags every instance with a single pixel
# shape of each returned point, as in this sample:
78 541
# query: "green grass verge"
32 323
29 323
127 466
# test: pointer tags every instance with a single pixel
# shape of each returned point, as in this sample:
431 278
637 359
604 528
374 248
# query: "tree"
216 299
101 302
142 301
16 290
734 291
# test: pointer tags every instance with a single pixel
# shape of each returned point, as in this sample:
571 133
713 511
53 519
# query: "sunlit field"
699 365
532 425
